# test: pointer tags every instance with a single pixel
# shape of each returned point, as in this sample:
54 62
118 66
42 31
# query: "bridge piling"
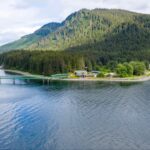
28 80
14 81
43 81
48 81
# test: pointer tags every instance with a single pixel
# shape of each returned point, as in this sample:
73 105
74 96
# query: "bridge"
14 78
27 78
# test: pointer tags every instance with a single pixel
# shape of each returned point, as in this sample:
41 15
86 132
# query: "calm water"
75 116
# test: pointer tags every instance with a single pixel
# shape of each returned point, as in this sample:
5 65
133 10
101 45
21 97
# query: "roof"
95 71
79 71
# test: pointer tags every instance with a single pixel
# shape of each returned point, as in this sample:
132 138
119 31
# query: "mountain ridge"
90 29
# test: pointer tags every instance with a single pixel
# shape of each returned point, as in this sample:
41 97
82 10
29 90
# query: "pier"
27 79
45 80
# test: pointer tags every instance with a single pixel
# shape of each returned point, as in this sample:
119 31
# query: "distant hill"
98 29
26 41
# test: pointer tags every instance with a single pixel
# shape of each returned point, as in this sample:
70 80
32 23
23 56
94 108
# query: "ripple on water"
70 116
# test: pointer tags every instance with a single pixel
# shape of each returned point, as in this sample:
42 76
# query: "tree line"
52 62
133 68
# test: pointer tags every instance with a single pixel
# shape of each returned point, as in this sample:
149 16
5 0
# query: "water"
75 116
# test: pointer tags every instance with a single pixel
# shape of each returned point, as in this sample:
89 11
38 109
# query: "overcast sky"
21 17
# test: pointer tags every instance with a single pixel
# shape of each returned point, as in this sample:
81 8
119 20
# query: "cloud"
142 6
21 17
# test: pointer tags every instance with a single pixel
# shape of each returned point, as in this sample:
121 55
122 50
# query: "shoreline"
142 79
132 79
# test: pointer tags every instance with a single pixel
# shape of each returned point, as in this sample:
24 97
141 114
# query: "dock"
29 77
14 78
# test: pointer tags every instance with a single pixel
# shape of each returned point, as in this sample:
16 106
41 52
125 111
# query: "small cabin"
81 73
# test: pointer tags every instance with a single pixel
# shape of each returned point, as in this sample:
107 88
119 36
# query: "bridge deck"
34 77
44 79
14 78
25 77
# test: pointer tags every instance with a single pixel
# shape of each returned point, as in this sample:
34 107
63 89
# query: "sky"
21 17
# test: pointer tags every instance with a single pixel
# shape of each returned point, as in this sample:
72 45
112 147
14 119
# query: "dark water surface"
75 116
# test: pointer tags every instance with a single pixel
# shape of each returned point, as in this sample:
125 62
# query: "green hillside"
98 29
26 41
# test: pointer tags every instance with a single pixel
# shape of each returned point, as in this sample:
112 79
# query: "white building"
81 73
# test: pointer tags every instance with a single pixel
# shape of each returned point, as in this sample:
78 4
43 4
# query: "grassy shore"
106 79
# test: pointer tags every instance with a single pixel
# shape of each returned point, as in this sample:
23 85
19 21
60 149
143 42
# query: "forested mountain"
98 29
26 41
88 38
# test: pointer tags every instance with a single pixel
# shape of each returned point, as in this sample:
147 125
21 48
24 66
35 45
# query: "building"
81 73
95 73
